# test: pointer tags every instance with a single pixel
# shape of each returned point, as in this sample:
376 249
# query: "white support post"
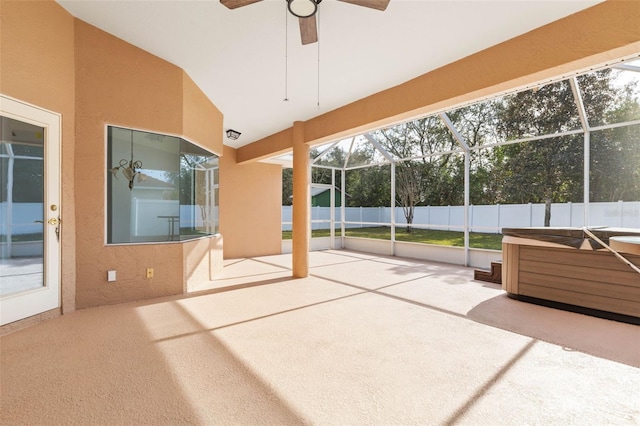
9 216
584 121
343 209
587 156
332 213
467 167
621 210
393 208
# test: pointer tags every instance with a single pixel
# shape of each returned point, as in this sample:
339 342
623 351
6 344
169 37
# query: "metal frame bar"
584 121
467 172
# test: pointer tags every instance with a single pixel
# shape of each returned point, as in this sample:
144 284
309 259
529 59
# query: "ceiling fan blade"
308 30
234 4
373 4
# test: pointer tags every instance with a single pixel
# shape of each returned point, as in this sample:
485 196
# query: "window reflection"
169 194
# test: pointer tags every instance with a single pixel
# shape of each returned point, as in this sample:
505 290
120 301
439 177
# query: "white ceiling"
238 57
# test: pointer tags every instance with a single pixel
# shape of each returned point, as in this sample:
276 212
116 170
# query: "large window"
159 188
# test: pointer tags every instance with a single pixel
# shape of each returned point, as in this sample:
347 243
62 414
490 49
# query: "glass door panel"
21 207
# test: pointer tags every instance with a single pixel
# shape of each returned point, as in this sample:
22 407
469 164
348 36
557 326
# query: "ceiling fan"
305 11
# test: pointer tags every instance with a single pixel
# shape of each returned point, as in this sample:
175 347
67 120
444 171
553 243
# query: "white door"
29 210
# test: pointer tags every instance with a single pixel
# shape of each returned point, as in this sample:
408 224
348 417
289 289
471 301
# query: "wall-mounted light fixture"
233 134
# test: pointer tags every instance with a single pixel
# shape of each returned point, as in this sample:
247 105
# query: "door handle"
56 221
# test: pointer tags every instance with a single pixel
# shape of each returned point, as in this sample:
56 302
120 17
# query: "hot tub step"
492 276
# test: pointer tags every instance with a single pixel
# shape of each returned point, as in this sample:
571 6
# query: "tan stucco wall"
203 260
37 66
93 80
201 120
120 84
250 207
117 83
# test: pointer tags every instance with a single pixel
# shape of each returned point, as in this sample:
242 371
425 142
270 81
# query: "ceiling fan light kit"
303 8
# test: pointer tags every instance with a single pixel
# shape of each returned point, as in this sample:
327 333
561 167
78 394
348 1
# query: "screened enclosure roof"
480 125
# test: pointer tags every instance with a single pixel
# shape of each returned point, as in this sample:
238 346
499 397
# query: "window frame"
106 186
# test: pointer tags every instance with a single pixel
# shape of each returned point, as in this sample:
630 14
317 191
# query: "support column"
301 200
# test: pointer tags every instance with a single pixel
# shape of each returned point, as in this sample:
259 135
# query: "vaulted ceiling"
252 65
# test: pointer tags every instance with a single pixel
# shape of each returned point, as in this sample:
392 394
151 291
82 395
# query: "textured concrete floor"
364 340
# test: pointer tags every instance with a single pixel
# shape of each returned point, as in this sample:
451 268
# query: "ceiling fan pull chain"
286 55
318 13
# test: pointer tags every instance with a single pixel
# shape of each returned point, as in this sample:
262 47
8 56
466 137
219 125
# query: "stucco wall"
119 84
37 66
93 80
201 120
250 207
203 260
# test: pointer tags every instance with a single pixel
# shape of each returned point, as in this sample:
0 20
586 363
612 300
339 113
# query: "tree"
551 170
615 153
422 176
369 186
409 189
615 165
287 186
543 170
477 124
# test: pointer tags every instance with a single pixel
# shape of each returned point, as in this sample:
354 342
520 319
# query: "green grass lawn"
425 236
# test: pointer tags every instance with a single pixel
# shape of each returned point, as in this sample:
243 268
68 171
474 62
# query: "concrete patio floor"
364 340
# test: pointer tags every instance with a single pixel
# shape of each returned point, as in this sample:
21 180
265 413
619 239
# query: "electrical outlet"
149 273
111 276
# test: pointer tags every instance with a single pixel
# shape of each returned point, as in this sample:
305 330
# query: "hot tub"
564 267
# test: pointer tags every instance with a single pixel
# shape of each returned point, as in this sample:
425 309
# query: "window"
159 188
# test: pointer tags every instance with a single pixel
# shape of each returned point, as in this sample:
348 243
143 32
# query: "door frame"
22 305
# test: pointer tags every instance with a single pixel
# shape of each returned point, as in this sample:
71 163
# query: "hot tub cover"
571 237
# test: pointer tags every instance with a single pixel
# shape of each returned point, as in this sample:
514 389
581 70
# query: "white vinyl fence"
489 219
23 217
